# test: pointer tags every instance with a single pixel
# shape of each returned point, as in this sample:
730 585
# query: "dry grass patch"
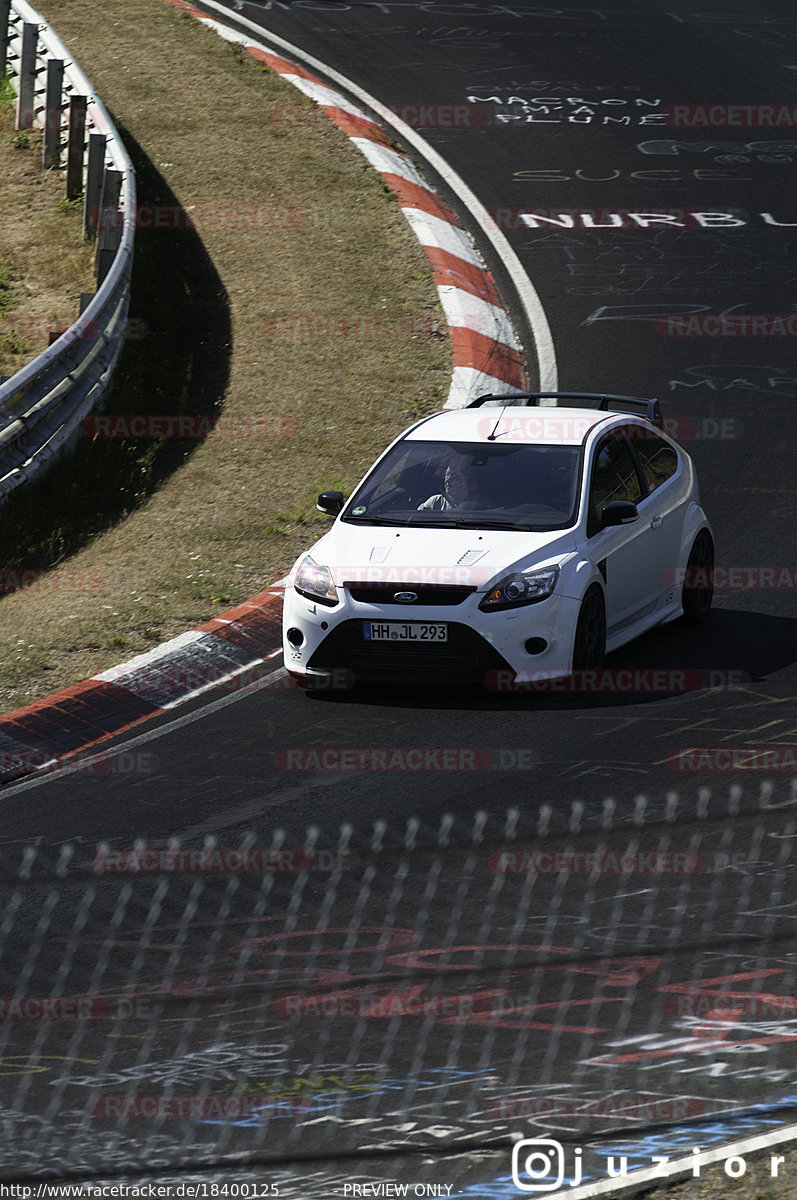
757 1183
151 536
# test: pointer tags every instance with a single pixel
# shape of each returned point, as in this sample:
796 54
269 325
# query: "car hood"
453 557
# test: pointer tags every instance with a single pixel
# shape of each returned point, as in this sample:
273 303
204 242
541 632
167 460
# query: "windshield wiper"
485 524
462 523
375 521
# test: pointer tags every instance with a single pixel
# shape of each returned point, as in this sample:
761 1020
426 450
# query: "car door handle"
654 524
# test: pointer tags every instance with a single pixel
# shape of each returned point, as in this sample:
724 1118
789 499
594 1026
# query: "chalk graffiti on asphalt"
520 109
766 151
517 8
771 381
651 312
670 262
657 175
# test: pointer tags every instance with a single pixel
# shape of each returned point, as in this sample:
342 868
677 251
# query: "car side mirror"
330 503
618 512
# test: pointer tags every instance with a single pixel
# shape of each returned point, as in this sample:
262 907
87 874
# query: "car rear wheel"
698 585
589 646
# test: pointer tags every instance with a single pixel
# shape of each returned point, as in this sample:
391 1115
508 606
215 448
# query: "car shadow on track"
731 651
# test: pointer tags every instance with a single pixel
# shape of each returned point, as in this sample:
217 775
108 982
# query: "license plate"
410 631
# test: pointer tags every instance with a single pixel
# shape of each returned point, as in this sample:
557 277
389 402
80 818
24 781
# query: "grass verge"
131 540
756 1183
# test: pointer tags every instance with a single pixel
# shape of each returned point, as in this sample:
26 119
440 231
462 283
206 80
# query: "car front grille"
464 659
431 593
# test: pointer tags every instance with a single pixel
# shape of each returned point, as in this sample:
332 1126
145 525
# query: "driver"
458 489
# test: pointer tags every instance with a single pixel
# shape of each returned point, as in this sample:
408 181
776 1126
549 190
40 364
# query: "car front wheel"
698 585
589 646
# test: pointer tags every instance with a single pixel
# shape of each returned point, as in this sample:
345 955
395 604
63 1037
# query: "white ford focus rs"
503 538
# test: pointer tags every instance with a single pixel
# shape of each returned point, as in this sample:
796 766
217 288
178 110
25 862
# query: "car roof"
532 426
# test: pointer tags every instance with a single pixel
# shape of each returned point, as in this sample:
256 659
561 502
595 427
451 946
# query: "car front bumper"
326 647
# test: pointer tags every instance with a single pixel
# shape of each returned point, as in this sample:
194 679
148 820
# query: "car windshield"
473 485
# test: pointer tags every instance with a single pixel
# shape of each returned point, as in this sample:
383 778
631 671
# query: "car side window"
614 476
658 460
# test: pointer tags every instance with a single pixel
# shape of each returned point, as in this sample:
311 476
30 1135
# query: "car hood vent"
470 557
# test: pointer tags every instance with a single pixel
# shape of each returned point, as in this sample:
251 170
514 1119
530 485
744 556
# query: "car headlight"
525 587
315 582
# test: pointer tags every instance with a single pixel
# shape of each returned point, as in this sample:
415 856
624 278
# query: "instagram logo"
538 1165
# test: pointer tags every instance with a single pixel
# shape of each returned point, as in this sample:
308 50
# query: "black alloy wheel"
589 646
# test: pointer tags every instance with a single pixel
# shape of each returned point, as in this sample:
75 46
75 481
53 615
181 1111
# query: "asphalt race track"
420 976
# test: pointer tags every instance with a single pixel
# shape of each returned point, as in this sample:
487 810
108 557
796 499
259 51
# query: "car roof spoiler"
648 408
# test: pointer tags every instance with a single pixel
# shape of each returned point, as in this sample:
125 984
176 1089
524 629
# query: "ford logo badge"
405 597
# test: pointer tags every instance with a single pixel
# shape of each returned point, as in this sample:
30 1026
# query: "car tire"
696 600
589 644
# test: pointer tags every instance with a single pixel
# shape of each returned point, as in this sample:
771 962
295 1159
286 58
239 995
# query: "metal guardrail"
42 405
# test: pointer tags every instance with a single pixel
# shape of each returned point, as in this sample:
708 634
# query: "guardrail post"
53 108
110 224
46 400
27 75
76 146
92 197
5 12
